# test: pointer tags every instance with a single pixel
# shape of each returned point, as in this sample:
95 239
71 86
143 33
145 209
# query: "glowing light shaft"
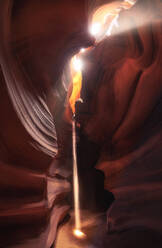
75 183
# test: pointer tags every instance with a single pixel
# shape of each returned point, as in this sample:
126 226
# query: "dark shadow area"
92 193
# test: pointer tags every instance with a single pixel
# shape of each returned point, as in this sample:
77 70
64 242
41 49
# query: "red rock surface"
120 120
122 93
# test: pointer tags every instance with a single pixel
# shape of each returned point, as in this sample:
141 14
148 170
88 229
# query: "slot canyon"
80 84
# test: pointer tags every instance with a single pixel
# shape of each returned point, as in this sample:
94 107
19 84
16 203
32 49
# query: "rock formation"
120 122
122 94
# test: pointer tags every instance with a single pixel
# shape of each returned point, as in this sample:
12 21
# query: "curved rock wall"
37 40
122 90
121 114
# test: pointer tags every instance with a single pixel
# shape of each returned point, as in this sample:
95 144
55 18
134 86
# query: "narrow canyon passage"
102 60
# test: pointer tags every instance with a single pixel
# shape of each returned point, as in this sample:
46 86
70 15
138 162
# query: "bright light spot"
95 28
82 50
79 234
77 64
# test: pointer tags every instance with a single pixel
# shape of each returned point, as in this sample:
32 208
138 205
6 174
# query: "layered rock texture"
120 122
37 39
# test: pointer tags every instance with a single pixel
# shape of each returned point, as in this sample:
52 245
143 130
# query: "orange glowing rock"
77 84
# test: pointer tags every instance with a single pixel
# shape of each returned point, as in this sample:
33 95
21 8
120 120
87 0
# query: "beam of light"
75 182
79 234
76 66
